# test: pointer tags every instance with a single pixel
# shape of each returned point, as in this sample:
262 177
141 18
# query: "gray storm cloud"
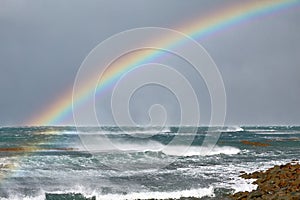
42 45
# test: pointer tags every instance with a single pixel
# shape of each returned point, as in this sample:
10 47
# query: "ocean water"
136 162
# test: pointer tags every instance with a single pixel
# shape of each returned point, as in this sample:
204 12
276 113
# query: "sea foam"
197 193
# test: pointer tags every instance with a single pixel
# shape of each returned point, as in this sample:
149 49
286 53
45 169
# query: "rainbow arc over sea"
214 23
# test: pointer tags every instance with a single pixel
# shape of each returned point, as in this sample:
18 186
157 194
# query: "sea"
138 162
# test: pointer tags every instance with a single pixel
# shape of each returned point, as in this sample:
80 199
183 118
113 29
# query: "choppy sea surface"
137 162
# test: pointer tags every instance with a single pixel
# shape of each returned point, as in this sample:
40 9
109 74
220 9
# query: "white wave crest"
234 129
173 150
226 129
200 151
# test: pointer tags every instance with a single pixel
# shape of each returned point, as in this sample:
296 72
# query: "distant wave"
150 130
233 129
96 131
226 129
54 132
275 132
261 130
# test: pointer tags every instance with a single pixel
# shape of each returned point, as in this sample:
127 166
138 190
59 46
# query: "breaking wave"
196 193
172 150
200 151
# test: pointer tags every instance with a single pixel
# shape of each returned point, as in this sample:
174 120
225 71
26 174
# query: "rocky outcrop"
257 144
277 183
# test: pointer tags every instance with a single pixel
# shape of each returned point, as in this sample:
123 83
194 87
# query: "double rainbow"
198 29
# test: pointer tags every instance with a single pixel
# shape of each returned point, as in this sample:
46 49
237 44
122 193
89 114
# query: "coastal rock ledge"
277 183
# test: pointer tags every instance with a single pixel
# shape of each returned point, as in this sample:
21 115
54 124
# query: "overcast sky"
43 43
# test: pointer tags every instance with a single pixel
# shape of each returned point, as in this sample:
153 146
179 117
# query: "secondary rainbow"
220 20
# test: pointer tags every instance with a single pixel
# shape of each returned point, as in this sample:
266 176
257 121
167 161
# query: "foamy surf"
197 193
136 167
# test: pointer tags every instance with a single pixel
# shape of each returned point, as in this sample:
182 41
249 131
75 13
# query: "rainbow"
198 29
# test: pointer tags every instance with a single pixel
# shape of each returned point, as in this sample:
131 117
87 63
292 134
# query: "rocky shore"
277 183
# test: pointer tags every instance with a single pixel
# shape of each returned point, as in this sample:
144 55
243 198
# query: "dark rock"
255 194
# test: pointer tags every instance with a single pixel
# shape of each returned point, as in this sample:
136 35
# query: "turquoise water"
137 162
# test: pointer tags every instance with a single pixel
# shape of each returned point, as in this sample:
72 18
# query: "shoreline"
277 182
